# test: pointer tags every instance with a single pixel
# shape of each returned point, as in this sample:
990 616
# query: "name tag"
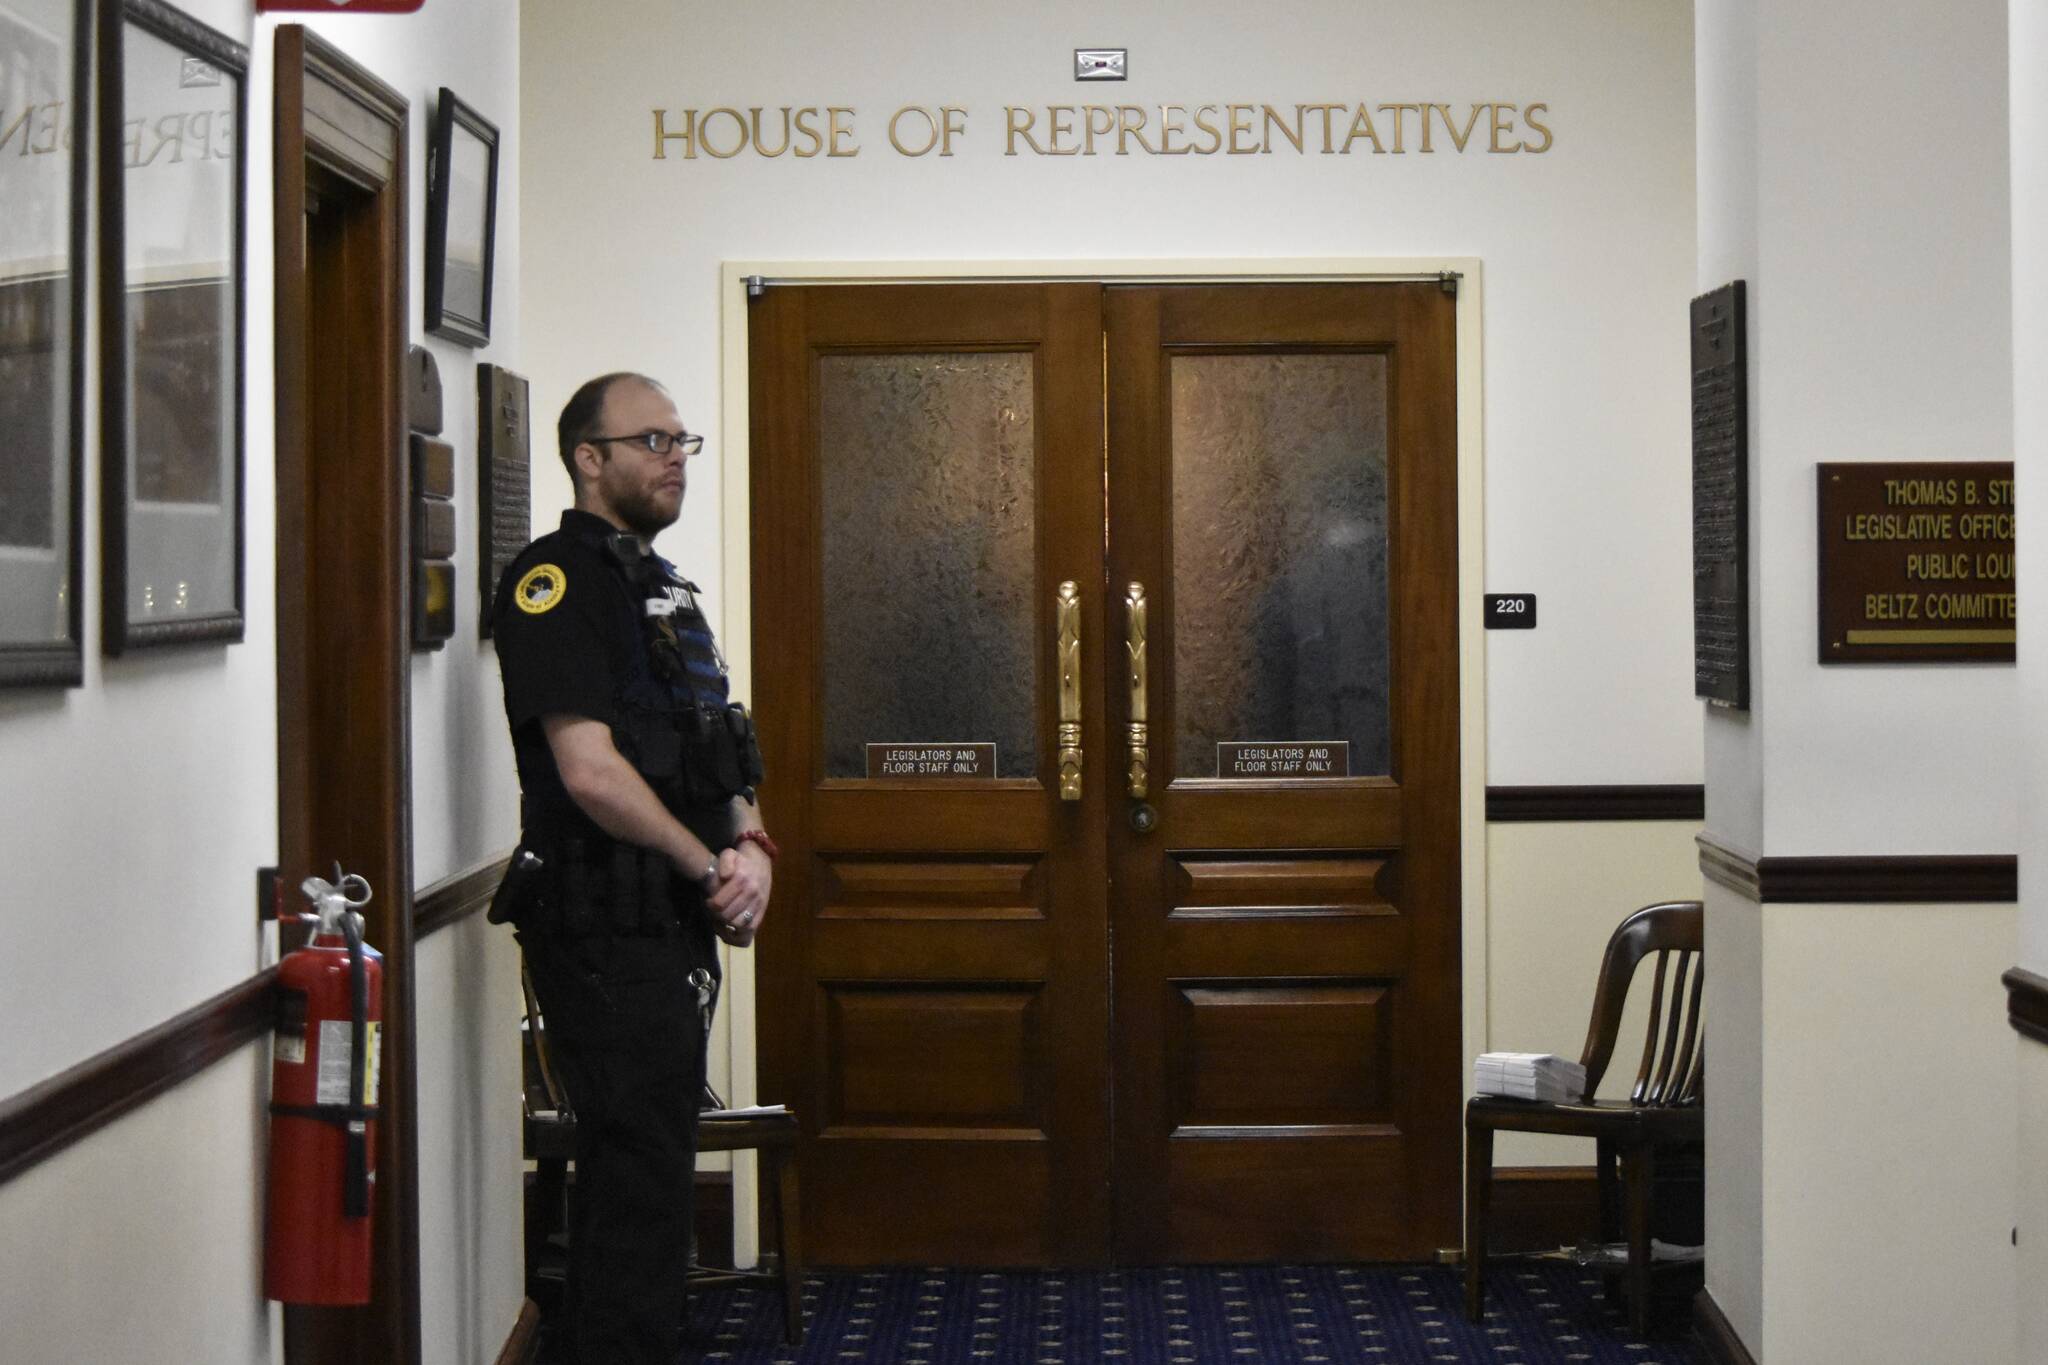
672 600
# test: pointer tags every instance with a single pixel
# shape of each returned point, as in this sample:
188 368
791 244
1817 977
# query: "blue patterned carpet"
1538 1313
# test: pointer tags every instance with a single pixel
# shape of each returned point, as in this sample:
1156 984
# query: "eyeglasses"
656 442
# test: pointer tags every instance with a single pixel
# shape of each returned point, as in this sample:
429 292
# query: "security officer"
641 842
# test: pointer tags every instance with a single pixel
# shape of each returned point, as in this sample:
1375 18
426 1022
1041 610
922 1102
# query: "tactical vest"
681 732
676 722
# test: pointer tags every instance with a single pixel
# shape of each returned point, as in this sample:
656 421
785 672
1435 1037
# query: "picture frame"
45 77
462 221
173 180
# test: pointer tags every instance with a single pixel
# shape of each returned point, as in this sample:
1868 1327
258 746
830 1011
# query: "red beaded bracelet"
758 836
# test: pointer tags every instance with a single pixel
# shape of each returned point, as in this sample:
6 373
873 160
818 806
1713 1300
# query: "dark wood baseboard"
1717 1339
1933 879
524 1343
2026 1003
1542 1208
46 1118
1506 805
457 897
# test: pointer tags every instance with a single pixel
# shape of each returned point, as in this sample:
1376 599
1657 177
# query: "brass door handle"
1070 691
1134 646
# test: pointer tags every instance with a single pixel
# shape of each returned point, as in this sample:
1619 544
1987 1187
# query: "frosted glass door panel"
1279 554
928 501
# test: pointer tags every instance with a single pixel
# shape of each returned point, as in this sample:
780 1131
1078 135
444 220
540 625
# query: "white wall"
2029 98
1555 893
1733 1011
1880 334
1878 268
1587 252
1888 1150
129 901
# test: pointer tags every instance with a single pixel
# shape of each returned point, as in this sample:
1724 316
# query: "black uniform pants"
623 1028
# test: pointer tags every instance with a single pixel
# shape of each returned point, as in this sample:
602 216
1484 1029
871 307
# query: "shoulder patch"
541 589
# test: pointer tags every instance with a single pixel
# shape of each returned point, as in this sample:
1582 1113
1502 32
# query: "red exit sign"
339 6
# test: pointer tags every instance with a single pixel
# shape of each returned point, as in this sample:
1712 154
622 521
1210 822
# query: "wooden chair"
774 1136
550 1143
1664 1106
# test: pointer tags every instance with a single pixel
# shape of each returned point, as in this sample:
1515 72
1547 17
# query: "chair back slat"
1665 1084
1642 1086
1665 929
1685 1079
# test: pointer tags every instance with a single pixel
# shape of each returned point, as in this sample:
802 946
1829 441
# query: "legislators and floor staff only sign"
1916 563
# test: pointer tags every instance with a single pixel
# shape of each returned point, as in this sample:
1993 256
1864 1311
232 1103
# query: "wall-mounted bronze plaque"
433 533
1720 497
931 760
1267 758
503 481
1916 563
433 467
433 604
422 391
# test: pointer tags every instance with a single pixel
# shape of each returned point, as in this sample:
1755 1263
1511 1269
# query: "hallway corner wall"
141 805
2029 161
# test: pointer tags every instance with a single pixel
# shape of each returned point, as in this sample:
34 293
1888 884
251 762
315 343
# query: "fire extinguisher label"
331 1081
291 1027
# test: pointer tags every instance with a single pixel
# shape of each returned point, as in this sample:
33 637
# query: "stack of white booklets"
1529 1076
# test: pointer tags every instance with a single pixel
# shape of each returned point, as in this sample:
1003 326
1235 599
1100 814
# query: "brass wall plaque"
1269 758
927 761
1916 563
433 534
422 391
503 479
433 604
1720 497
433 466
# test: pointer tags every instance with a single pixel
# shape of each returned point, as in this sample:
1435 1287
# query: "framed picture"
45 72
462 222
173 179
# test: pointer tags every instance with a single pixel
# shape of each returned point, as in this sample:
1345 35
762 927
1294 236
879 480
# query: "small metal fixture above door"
1100 63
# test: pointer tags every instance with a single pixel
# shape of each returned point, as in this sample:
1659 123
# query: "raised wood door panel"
927 469
1287 1069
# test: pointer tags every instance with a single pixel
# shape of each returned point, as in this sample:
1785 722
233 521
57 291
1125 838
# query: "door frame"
735 594
332 118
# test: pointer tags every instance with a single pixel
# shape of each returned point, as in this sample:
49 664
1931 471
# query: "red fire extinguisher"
323 1105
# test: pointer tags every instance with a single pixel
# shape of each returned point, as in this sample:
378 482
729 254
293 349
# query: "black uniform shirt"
564 622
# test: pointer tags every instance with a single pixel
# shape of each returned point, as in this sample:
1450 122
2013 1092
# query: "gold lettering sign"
1916 562
1341 128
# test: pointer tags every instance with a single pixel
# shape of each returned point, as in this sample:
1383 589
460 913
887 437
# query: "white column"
2029 44
1853 169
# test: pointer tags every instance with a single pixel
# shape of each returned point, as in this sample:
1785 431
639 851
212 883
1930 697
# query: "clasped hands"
739 902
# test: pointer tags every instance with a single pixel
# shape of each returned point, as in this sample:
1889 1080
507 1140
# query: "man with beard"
640 843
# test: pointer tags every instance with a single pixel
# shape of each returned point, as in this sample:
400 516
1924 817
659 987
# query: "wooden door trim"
334 120
736 603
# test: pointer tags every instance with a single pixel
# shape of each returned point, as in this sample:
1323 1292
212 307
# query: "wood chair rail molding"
2026 1003
46 1118
457 897
1524 805
1887 879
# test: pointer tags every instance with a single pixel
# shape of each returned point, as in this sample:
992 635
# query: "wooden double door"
1105 658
